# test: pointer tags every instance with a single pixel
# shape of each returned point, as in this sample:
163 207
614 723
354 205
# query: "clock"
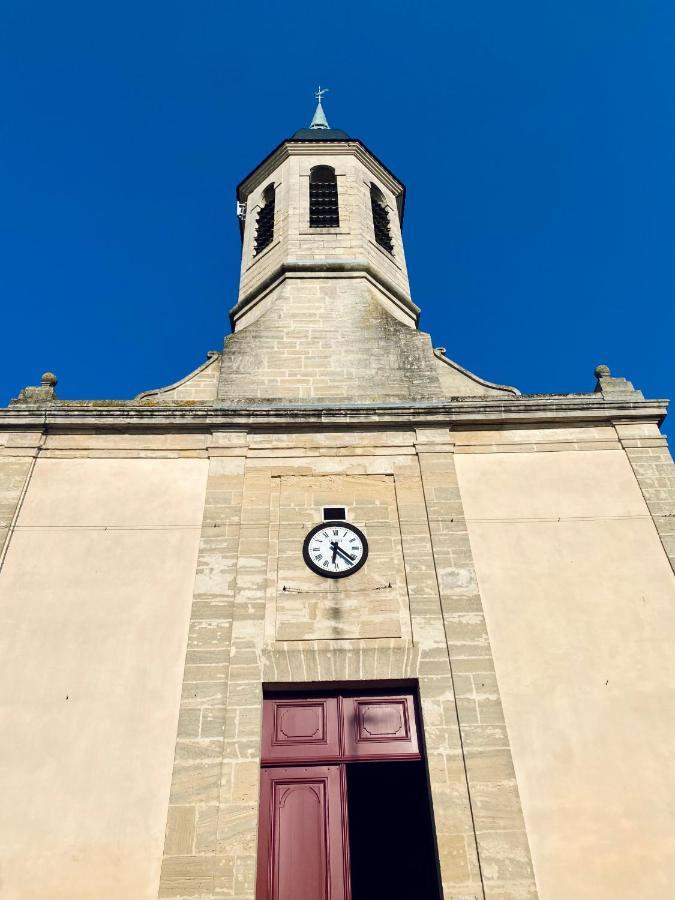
335 549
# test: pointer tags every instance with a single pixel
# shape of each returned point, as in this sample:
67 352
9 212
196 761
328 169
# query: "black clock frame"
324 572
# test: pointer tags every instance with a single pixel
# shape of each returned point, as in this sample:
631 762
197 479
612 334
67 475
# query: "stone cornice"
127 416
330 148
300 268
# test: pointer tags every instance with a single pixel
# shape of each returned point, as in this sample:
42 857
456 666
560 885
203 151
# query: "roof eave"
400 200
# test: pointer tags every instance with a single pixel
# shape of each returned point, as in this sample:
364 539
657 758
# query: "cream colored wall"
95 597
580 605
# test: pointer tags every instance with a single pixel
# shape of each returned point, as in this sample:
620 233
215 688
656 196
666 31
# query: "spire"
319 120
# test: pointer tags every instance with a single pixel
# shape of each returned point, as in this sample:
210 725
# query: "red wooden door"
303 846
302 849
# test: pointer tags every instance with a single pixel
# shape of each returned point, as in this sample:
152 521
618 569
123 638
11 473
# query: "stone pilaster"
237 821
503 849
17 460
191 865
457 850
647 450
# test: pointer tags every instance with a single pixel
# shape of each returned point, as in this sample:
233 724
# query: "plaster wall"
579 600
95 596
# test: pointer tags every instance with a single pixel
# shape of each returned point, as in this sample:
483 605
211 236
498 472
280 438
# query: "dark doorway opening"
391 841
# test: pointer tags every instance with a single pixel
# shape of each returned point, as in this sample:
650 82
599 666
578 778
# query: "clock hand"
339 550
335 549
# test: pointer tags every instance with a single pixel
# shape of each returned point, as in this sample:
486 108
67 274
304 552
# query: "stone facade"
395 620
153 583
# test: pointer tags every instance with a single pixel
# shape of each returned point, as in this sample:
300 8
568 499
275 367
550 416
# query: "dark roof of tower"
323 135
320 134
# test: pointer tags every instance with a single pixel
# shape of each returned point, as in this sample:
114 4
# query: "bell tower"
324 307
326 221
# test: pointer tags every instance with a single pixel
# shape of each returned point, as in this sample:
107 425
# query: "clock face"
335 549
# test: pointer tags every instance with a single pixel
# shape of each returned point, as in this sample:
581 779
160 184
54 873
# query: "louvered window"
381 219
265 225
323 198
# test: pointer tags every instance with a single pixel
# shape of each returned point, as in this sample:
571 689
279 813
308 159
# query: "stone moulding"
312 148
211 358
318 268
189 416
439 353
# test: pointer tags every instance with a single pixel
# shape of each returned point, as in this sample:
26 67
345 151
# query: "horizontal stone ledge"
332 267
451 413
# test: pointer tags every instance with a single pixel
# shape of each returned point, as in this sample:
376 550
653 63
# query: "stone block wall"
295 245
200 785
328 339
373 602
200 386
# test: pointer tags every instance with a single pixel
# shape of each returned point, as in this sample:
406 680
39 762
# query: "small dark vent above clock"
334 513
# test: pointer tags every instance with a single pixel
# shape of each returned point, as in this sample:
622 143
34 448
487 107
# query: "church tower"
331 617
324 281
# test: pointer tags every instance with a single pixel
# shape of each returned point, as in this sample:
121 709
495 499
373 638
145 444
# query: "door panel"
300 730
379 728
329 729
301 850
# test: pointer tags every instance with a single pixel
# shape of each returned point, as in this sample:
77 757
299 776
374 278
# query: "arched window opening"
323 198
265 224
381 219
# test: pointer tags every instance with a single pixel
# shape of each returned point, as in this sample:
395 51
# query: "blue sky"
536 139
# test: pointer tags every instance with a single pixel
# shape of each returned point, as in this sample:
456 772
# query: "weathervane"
319 121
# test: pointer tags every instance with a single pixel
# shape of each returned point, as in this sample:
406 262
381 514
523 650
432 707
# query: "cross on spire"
319 120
